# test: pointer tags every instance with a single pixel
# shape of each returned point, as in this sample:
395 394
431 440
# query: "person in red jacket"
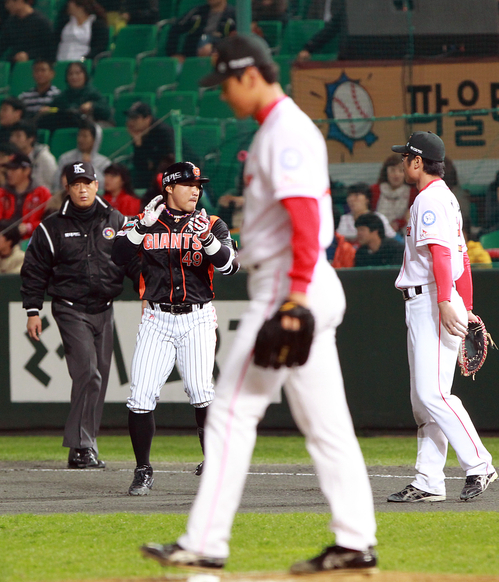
118 190
20 201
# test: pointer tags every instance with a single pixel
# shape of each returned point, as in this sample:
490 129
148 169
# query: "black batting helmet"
184 172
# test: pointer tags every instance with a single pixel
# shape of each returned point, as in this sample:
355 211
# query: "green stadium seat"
192 70
223 177
272 32
490 240
167 9
185 101
477 190
238 136
297 33
4 76
285 63
48 8
113 72
211 106
21 78
124 101
134 39
161 40
63 140
116 141
202 140
43 136
60 72
156 72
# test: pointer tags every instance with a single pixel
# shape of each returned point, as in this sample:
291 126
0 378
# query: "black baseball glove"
473 348
276 346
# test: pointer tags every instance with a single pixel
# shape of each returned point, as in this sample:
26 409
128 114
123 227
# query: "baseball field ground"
67 525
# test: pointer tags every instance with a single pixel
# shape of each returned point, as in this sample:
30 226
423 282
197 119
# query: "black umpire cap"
78 170
236 53
425 144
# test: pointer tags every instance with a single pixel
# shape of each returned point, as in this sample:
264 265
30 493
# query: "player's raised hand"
152 211
200 224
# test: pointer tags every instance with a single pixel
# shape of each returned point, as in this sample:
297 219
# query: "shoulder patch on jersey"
108 233
429 218
290 158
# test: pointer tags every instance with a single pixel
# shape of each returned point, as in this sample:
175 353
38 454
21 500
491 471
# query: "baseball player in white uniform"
180 248
436 283
287 226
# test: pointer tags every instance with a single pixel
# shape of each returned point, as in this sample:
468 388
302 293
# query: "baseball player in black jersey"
180 247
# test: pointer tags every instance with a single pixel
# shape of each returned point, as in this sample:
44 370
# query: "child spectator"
118 190
391 196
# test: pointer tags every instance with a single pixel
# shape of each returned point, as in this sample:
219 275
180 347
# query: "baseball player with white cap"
436 283
286 228
180 247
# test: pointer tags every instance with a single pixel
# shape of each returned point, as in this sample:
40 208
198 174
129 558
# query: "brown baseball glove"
473 348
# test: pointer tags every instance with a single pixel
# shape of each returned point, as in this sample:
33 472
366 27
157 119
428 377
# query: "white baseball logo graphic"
351 101
78 168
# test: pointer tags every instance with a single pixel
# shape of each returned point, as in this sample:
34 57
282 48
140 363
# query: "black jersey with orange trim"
175 266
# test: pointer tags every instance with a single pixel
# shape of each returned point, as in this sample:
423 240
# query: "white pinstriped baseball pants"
317 400
163 339
440 415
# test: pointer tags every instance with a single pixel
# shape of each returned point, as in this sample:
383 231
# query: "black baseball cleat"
411 494
476 484
142 481
199 469
84 459
174 555
338 558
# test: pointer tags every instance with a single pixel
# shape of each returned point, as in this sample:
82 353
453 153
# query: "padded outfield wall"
35 386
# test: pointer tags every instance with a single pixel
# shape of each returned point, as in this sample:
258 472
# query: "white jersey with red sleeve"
435 218
287 158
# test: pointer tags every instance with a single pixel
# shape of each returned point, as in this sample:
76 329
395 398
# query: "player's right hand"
152 212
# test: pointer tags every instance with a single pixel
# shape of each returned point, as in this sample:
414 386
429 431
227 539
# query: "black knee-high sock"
200 420
142 428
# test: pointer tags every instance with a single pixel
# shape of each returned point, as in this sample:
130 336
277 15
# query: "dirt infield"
43 488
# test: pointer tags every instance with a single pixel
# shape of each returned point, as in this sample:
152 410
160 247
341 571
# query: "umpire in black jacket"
69 257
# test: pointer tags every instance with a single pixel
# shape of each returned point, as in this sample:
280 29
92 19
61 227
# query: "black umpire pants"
88 347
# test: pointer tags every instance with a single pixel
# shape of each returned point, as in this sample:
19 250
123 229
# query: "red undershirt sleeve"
464 284
442 270
305 224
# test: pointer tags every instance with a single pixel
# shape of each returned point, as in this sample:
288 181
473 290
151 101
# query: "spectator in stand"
391 196
341 254
88 142
203 27
269 10
462 195
44 164
20 200
11 113
358 200
82 31
11 255
491 219
43 93
7 151
79 101
334 14
140 11
153 143
476 253
375 249
118 190
26 34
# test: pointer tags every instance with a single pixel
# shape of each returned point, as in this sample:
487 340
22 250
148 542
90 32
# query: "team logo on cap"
196 171
77 168
351 105
109 233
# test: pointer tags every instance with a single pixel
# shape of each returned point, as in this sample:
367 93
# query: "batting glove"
200 225
151 214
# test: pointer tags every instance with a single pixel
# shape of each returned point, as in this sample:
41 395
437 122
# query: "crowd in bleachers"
82 80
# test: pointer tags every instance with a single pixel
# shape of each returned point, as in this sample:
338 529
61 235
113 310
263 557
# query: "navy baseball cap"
78 170
18 160
425 144
236 53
